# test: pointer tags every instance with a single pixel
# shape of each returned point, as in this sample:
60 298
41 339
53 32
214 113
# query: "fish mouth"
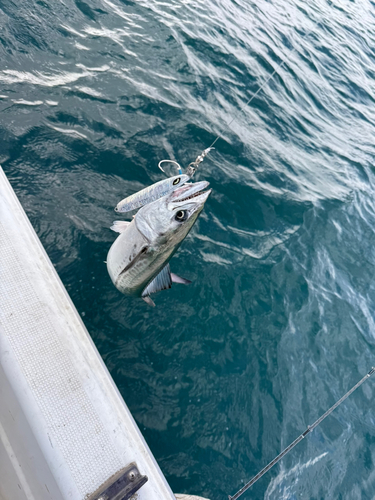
191 192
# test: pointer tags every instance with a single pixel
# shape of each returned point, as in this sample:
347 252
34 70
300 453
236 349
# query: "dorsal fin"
119 226
162 281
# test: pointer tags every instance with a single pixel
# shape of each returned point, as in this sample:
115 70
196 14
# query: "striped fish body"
132 262
138 260
122 258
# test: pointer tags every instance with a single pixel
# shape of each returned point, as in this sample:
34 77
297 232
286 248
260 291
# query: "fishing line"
194 165
278 67
303 435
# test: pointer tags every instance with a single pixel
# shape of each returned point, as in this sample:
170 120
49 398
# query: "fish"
138 260
161 188
151 193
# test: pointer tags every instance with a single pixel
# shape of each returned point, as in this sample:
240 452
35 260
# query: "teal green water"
279 320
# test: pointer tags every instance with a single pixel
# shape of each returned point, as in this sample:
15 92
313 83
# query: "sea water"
279 320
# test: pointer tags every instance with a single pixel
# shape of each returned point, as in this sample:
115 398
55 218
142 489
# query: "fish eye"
176 181
181 215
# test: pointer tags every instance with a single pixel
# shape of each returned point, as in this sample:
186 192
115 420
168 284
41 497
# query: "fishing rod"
302 436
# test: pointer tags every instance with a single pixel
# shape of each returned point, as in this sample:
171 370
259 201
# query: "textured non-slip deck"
64 428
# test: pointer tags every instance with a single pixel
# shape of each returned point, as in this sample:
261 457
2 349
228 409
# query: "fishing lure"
161 188
151 193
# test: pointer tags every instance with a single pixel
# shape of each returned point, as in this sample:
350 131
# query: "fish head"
169 219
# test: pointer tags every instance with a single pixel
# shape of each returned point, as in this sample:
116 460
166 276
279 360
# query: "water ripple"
278 322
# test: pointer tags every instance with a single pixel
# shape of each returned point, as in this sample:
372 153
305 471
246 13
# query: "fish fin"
149 300
162 281
119 226
178 279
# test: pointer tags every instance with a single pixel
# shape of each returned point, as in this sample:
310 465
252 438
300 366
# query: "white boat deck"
64 427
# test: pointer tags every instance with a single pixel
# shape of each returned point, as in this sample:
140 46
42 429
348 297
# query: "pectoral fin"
119 226
162 281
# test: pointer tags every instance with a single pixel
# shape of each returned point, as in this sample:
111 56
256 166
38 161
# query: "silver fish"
138 260
151 193
161 188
